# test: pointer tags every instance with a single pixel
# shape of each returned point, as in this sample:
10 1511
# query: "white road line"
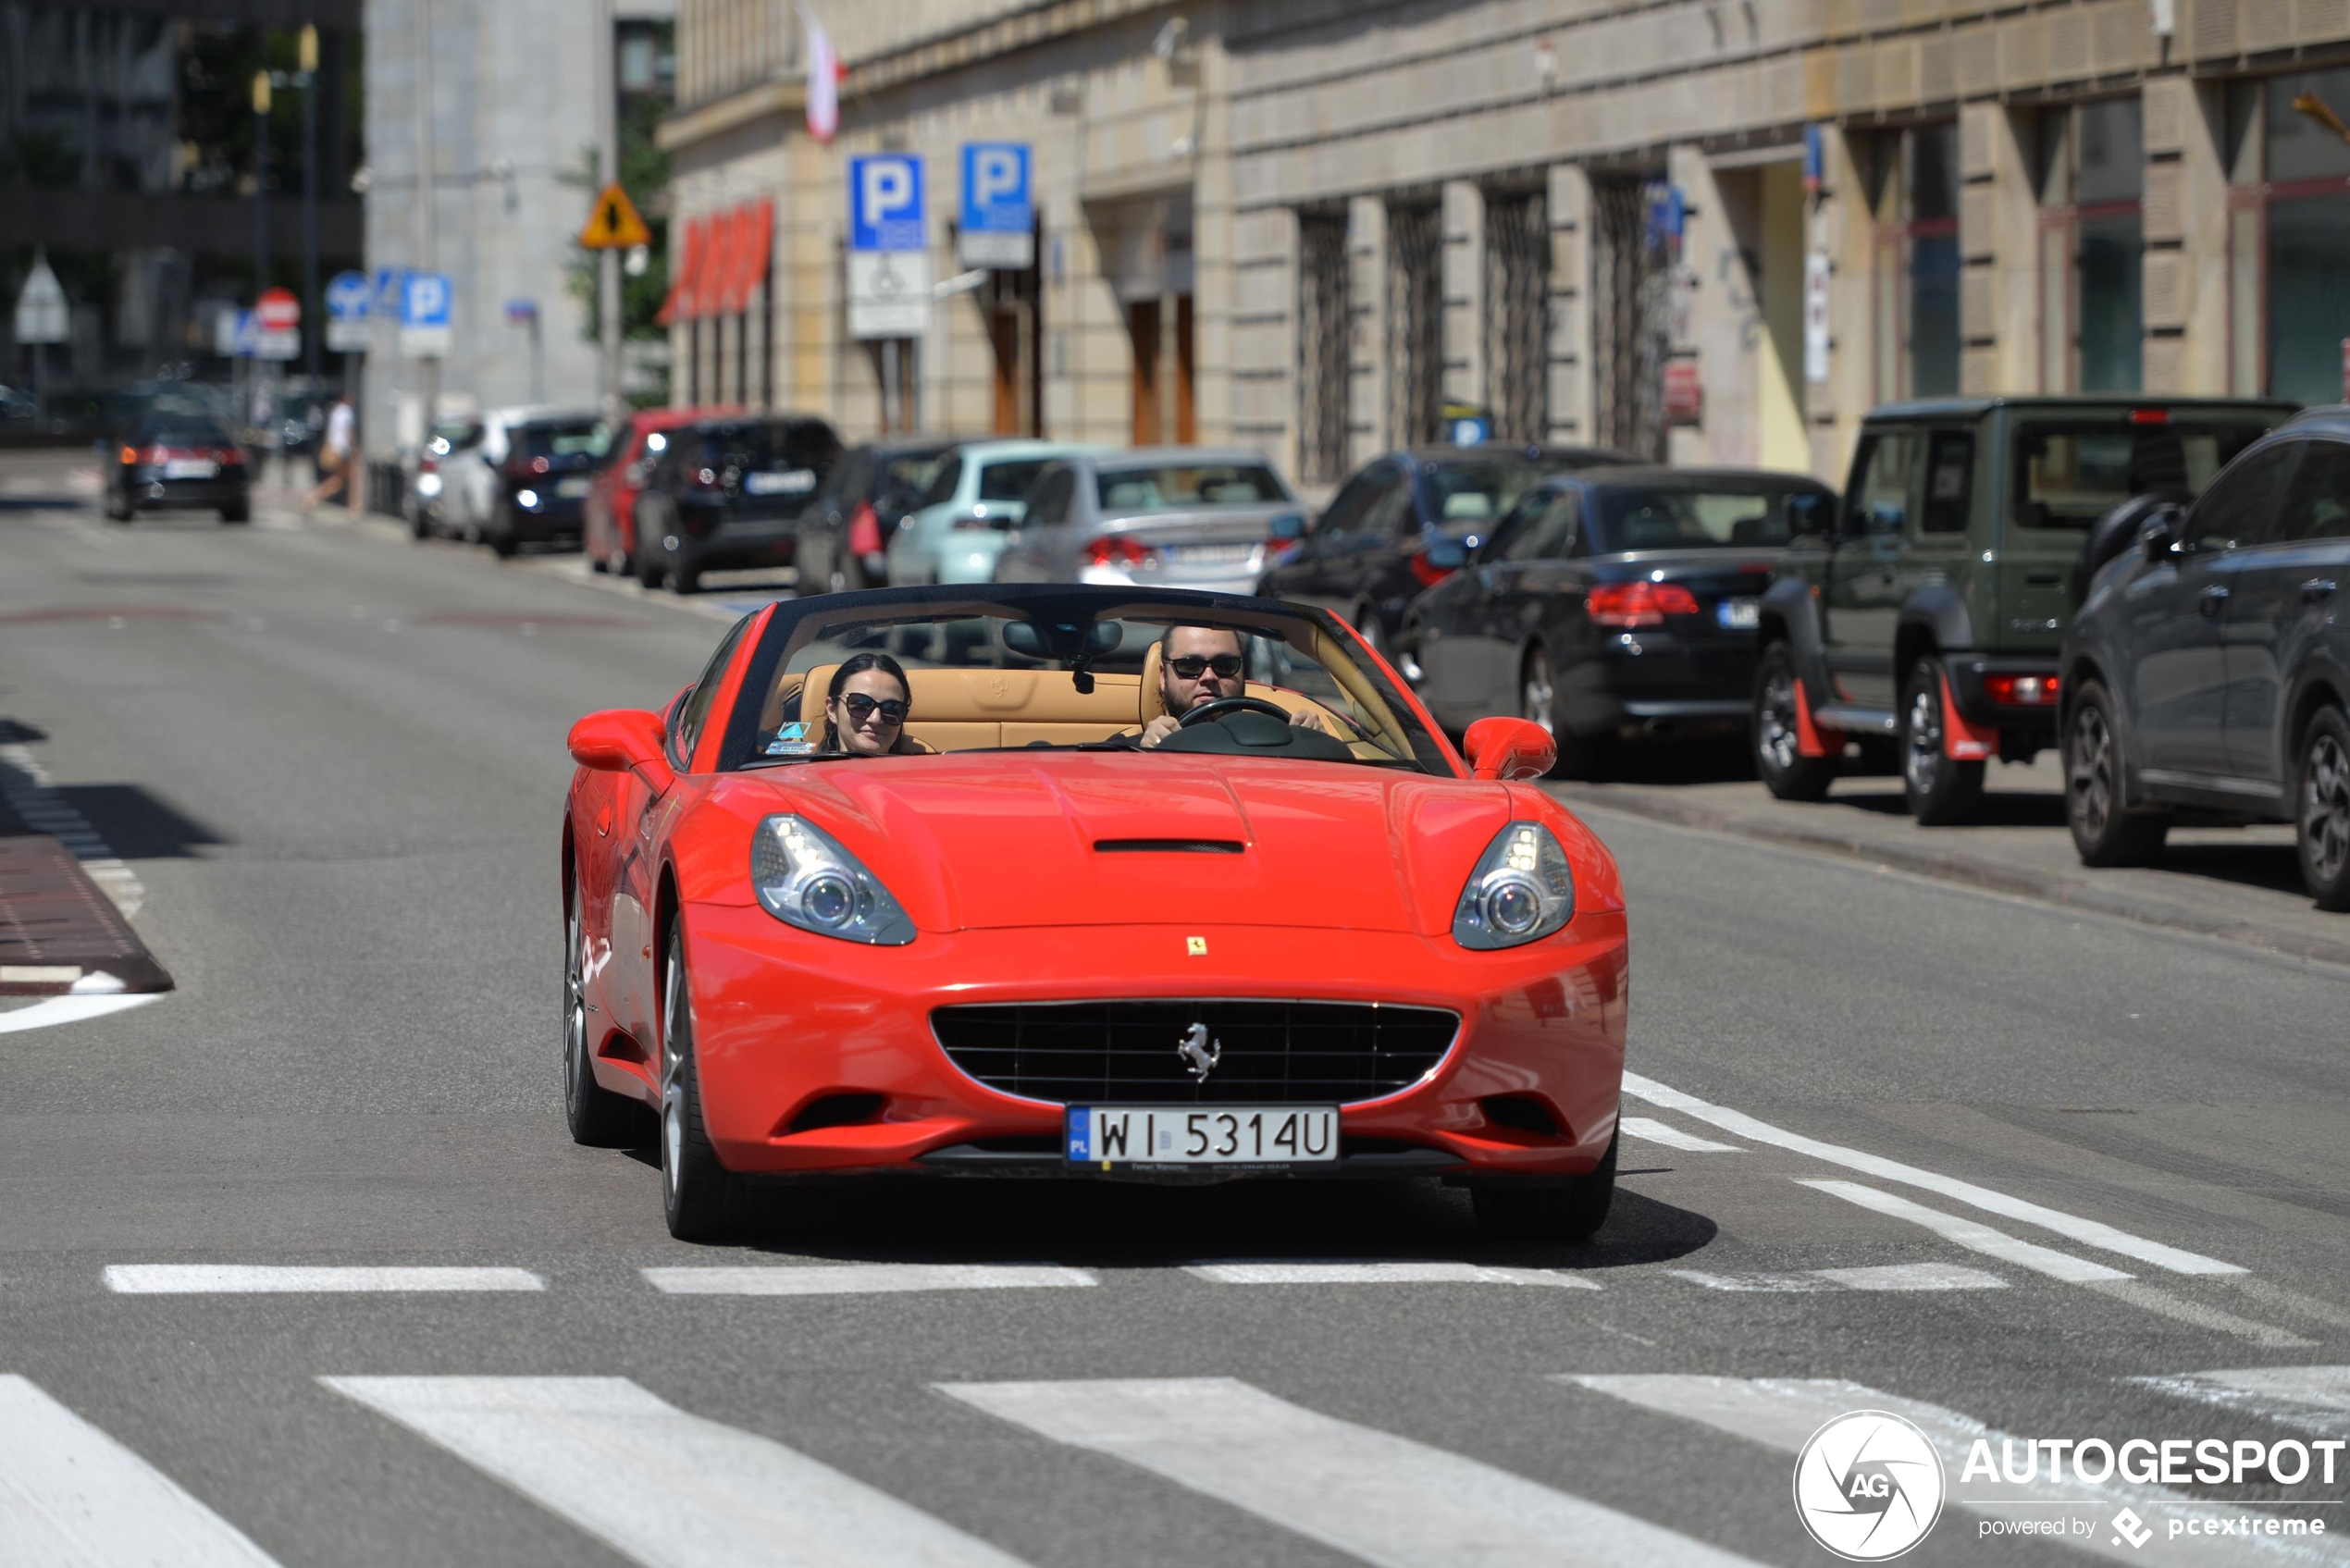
1382 1497
2315 1399
71 1010
71 1497
1431 1272
861 1279
1887 1276
1970 1234
242 1280
2150 1298
1783 1414
1655 1131
1754 1284
664 1487
2089 1232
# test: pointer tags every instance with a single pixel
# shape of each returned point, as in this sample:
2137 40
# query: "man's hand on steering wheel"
1208 712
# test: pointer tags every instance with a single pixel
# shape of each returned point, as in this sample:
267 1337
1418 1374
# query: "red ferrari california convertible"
1088 882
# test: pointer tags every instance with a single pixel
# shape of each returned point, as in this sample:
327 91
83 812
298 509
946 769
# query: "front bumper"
148 493
733 541
1659 680
784 1019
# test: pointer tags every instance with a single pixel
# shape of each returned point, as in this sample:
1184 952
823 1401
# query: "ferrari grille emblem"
1200 1051
1196 946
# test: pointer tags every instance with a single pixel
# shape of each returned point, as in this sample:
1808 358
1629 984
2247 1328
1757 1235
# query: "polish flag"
824 73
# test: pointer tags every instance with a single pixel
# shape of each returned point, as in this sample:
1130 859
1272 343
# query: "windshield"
2068 476
1707 519
1477 491
1009 481
1128 491
898 488
1063 669
577 438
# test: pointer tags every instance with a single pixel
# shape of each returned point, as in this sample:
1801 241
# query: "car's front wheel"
502 537
701 1199
1776 732
2321 820
1940 789
2102 832
596 1115
1572 1210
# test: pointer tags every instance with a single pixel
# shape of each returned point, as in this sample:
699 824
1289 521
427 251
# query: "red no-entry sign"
278 308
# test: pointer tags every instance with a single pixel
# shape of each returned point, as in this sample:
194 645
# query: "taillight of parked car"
2020 691
865 530
1428 572
1638 604
1116 550
229 457
130 455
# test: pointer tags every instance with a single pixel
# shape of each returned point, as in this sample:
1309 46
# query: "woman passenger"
866 707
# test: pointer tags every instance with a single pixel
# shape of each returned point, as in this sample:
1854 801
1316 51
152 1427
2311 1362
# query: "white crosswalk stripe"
71 1497
236 1279
1782 1414
664 1487
1882 1276
1664 1132
1970 1234
852 1279
2313 1399
1384 1498
1396 1272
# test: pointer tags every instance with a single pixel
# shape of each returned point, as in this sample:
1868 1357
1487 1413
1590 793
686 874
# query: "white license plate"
1113 1136
794 482
1192 555
1740 614
572 487
191 468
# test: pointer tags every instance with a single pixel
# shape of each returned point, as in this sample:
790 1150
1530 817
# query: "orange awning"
679 305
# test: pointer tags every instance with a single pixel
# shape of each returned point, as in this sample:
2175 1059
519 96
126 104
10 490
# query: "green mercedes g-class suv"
1927 625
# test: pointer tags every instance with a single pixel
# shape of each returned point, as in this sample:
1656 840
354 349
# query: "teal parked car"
962 521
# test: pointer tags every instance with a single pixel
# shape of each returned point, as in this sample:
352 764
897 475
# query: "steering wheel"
1208 712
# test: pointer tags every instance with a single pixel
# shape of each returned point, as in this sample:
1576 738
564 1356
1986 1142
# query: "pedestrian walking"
338 458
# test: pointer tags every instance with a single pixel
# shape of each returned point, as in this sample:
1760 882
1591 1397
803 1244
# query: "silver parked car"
956 530
1176 517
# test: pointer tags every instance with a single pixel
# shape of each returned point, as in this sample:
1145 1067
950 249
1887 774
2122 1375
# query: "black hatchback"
1366 556
2209 669
728 493
1611 603
177 461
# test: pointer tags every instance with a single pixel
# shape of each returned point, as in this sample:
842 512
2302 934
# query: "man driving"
1198 665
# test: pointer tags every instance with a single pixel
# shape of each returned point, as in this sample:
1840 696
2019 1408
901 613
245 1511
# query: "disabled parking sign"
889 272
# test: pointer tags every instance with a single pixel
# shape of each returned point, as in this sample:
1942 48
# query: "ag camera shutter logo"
1868 1485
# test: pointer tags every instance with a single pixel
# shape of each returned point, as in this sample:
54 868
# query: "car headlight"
527 498
1523 889
429 485
804 878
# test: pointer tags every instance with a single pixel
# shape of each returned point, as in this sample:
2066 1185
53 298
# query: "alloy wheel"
1923 760
2325 808
1777 740
2091 777
1539 689
673 1061
575 1015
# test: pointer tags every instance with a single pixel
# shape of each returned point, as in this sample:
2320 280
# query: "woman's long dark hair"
856 664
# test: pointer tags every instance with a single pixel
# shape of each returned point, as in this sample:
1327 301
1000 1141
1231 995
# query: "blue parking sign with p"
885 203
996 199
425 300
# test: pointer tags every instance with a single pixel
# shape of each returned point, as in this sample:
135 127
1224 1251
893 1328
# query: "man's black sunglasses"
860 708
1192 666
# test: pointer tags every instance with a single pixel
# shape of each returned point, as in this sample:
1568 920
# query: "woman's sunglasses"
1192 666
861 708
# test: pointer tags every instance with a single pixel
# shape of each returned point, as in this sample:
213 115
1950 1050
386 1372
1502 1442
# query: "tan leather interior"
978 708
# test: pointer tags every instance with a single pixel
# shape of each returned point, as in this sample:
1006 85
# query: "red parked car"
1299 936
608 534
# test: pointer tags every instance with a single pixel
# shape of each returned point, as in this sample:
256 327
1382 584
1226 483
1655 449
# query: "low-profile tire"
500 535
1572 1210
684 573
2321 810
420 521
1940 789
2103 832
1365 619
1537 700
240 512
1772 731
700 1198
646 555
117 508
596 1115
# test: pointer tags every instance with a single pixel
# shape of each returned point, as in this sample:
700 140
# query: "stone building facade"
1717 230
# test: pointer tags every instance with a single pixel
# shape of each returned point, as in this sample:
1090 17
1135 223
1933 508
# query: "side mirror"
2161 535
1289 527
1446 555
1509 748
622 740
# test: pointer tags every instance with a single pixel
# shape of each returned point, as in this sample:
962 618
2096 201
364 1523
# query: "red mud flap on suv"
1963 742
1811 739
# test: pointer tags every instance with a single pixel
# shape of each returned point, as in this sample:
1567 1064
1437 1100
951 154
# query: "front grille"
1126 1052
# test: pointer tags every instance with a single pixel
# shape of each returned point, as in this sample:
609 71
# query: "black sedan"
541 467
177 461
1366 556
844 532
728 493
1612 602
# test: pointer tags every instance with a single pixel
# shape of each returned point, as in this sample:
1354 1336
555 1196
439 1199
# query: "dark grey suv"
2209 669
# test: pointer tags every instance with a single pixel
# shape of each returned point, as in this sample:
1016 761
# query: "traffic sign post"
279 313
350 297
614 225
41 316
998 227
889 273
424 298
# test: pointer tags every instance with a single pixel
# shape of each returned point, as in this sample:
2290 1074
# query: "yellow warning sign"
615 225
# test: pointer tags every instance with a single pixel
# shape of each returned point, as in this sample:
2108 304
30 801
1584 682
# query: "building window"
1324 338
1913 188
1415 322
1517 287
2092 247
2289 248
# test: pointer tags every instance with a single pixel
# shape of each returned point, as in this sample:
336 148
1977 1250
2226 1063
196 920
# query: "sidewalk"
2239 884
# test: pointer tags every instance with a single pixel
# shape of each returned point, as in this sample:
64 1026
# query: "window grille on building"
1631 318
1415 323
1517 286
1324 341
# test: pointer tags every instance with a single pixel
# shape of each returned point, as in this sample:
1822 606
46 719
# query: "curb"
2062 891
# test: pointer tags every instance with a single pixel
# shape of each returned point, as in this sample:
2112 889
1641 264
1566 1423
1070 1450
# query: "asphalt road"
2075 1162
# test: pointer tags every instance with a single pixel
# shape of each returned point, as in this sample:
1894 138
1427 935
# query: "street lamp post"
313 307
